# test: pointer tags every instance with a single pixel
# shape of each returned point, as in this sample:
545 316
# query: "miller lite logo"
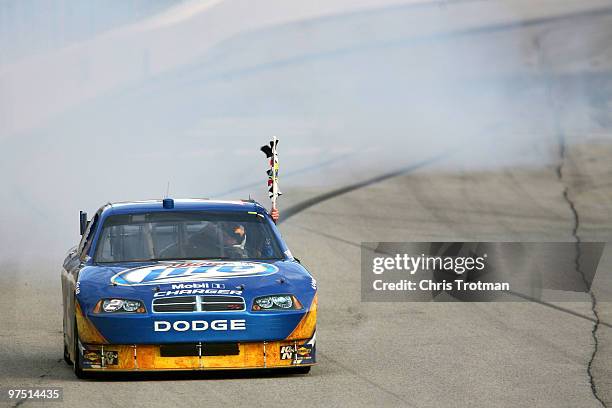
169 273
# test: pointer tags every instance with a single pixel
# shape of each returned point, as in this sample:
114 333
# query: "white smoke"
188 96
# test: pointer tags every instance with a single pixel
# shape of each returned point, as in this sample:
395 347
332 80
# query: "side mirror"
83 221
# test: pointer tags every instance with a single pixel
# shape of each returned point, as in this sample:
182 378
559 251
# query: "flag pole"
271 152
274 172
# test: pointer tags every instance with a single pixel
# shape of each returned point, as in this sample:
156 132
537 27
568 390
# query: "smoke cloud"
187 94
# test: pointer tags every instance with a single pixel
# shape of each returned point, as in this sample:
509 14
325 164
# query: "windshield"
185 236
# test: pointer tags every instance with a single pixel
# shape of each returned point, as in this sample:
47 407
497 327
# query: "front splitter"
146 357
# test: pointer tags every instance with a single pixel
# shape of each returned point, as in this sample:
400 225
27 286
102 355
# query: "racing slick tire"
78 370
67 355
66 352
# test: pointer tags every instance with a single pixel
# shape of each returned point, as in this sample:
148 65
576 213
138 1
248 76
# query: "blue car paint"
95 283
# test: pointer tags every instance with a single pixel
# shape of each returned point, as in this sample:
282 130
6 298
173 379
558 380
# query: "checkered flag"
271 153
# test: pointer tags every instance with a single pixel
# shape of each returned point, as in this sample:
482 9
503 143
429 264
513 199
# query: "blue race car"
186 285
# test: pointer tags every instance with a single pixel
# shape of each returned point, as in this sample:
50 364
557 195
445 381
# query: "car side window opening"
88 237
193 235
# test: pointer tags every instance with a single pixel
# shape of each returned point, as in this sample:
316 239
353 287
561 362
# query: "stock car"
190 284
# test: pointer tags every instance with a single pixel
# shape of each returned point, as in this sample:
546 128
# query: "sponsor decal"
286 352
299 354
176 273
290 352
303 353
205 288
197 292
199 325
92 358
111 358
204 285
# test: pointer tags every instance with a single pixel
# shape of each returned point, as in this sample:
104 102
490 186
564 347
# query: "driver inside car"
230 240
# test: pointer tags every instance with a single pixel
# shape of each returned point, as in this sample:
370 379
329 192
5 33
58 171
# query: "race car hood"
143 281
148 281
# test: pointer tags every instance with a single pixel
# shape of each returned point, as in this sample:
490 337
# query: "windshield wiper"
212 258
128 261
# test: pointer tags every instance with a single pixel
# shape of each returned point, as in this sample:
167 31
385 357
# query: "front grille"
177 307
191 349
182 304
175 304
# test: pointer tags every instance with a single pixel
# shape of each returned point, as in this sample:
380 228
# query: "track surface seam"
558 132
588 287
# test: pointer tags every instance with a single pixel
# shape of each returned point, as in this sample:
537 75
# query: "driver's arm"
274 214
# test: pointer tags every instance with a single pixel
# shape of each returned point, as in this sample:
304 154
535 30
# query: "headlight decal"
115 305
276 302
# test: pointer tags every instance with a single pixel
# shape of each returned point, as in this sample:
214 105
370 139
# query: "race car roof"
192 204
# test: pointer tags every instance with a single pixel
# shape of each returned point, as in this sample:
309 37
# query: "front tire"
67 355
78 370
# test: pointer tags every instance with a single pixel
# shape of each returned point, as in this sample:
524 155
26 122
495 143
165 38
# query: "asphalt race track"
542 173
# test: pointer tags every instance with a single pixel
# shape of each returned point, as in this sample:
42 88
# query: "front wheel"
78 370
67 355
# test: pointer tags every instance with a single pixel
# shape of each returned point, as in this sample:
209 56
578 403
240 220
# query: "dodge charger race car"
186 285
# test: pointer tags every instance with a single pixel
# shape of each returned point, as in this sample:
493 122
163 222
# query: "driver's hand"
274 214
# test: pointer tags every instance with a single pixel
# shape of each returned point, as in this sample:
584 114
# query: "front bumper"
146 357
298 348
